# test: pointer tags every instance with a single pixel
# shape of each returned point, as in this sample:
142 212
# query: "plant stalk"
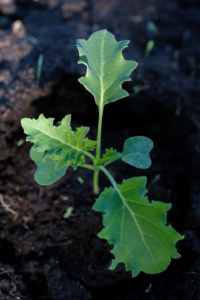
98 151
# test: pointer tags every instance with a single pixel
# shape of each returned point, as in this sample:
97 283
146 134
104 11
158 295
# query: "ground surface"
43 255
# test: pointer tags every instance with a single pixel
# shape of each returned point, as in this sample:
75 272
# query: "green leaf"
136 152
60 143
45 173
106 67
137 228
110 156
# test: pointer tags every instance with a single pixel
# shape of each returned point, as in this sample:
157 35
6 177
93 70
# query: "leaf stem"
109 176
92 157
89 167
98 151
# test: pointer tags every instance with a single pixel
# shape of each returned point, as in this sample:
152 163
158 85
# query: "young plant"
136 227
149 48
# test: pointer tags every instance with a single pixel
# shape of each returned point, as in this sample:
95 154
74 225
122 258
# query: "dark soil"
42 254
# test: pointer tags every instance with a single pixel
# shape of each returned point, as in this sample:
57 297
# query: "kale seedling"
136 227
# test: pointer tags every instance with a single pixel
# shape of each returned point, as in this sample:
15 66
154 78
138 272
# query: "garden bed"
42 254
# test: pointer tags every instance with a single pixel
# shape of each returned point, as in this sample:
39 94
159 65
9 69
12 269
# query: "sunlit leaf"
106 67
60 143
137 228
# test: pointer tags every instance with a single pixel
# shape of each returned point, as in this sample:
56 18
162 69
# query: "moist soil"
42 254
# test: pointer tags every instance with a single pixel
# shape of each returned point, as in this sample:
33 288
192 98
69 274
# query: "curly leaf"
106 67
45 173
60 143
110 156
136 152
137 228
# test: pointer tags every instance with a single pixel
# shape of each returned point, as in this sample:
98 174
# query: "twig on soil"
7 208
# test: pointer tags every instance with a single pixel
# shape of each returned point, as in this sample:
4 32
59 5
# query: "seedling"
68 212
149 48
39 67
148 289
134 226
152 29
80 179
20 143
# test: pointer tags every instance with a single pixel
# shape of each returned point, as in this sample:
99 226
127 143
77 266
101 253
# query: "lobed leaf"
106 67
136 152
110 156
46 173
60 143
137 228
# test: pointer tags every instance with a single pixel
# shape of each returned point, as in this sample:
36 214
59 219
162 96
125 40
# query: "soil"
42 254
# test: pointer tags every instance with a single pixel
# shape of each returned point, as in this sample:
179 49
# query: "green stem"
97 169
92 157
109 176
98 152
95 182
90 167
